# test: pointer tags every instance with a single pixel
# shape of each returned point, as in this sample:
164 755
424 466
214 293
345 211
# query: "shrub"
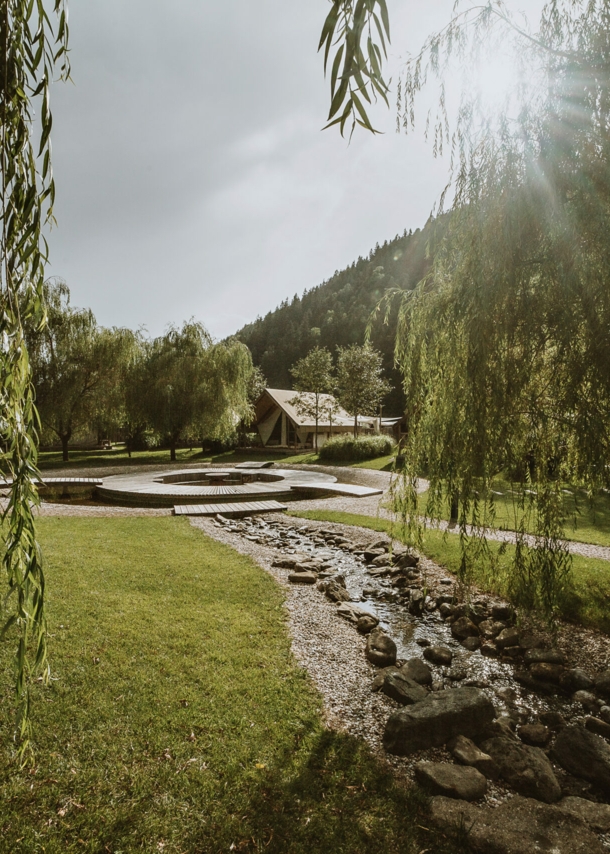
363 448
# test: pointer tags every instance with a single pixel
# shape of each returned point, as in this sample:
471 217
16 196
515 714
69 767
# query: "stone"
518 826
547 672
489 629
576 680
597 816
526 769
445 610
507 695
405 691
456 674
512 652
407 560
489 650
437 719
464 628
466 752
440 655
554 720
604 714
380 648
417 670
549 656
536 735
453 781
583 754
602 684
502 612
305 577
598 726
416 604
422 642
586 699
334 589
525 678
381 560
285 562
366 623
508 637
377 683
352 612
499 728
471 644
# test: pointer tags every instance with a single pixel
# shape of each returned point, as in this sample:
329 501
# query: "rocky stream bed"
506 727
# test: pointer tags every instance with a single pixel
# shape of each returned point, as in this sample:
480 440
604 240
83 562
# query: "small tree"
313 374
360 380
329 409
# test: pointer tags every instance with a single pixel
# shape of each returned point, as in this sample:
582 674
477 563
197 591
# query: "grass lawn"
49 460
586 520
586 601
177 720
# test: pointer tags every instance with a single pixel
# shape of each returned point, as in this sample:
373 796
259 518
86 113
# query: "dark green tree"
360 383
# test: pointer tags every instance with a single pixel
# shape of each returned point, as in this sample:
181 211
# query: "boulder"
445 610
417 670
576 680
377 683
305 577
366 623
597 816
406 560
440 655
334 589
453 781
554 720
518 826
547 672
489 650
382 560
536 735
583 754
490 629
604 714
380 648
586 699
471 643
502 612
526 769
352 612
417 602
508 637
285 562
437 719
466 752
602 684
598 726
405 691
464 628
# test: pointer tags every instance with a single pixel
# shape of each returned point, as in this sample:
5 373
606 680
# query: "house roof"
283 396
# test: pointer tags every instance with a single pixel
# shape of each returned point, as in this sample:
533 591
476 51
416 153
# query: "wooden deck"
242 508
60 481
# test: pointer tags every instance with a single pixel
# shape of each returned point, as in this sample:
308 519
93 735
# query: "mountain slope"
336 312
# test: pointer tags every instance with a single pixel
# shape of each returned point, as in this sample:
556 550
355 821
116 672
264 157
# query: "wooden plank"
228 509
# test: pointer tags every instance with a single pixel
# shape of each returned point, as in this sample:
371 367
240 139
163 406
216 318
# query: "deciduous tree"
360 381
313 374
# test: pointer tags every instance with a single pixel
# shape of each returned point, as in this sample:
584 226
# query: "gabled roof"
282 397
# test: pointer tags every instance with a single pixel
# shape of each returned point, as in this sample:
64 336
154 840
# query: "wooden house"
281 424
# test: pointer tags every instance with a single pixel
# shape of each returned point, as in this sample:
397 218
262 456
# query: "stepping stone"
453 781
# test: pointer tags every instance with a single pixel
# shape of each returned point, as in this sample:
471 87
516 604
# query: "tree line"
180 386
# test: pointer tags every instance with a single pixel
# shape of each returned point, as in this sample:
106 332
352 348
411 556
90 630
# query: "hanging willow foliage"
505 346
31 50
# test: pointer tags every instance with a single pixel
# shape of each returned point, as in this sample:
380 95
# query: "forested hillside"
336 312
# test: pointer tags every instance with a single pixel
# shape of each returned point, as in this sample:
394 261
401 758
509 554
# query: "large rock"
464 628
602 684
402 689
366 623
466 752
440 655
576 680
437 719
417 670
508 637
550 656
352 612
597 816
304 577
583 754
526 769
453 781
380 649
518 826
335 590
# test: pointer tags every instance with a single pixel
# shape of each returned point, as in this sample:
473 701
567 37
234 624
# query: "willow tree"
31 53
504 346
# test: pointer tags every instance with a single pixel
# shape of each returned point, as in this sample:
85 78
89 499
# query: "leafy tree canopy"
360 382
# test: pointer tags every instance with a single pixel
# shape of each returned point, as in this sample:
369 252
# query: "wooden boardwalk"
59 481
242 508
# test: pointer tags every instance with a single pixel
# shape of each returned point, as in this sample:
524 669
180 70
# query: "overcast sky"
193 177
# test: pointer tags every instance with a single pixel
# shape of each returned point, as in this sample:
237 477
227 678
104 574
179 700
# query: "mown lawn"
585 601
177 720
586 518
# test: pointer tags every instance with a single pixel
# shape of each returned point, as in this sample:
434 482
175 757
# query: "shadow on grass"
332 797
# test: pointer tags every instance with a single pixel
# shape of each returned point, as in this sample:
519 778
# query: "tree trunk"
65 437
455 507
172 452
355 426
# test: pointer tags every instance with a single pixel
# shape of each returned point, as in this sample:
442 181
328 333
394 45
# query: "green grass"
177 720
585 602
586 520
49 460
